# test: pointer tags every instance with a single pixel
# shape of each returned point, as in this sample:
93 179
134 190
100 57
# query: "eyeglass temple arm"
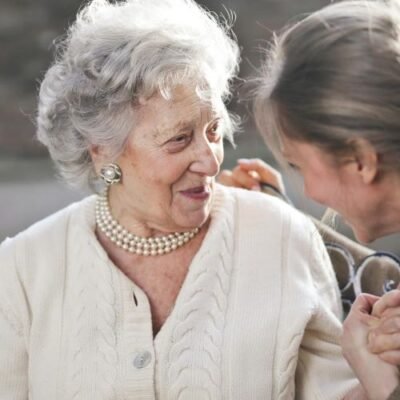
329 235
358 251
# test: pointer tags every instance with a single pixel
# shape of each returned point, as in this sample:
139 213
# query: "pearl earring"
111 173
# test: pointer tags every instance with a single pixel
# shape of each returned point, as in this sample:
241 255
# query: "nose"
207 158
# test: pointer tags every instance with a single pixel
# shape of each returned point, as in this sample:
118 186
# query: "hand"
384 337
358 393
249 173
378 377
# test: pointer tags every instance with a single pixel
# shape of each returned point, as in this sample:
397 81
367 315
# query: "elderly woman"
165 285
328 103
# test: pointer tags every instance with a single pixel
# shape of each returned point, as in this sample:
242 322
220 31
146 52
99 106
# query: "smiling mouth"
197 193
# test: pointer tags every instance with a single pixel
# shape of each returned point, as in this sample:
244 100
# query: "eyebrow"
178 128
182 126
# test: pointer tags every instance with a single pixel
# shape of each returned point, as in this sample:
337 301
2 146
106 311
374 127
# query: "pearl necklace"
126 240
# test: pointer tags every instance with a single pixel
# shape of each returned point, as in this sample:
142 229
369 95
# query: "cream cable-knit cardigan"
259 306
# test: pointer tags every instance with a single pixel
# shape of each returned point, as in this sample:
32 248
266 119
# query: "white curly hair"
115 53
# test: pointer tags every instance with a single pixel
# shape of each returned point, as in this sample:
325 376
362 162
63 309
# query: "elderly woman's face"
170 161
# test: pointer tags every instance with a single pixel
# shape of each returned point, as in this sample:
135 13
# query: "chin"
364 235
194 217
198 221
363 239
195 220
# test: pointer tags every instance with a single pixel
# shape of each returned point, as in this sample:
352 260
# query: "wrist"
384 388
388 388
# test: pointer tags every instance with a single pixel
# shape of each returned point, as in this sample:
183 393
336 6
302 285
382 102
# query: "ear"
98 156
366 159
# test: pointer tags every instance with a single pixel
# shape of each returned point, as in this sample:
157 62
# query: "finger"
388 300
245 179
364 303
359 314
387 325
391 312
381 327
381 343
255 175
373 322
225 178
267 173
391 357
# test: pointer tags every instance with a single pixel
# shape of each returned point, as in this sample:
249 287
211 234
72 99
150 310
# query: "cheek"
328 193
316 189
312 192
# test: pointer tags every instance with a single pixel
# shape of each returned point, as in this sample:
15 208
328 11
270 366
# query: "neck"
127 216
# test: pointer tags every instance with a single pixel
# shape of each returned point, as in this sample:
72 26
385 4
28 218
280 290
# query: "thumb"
266 173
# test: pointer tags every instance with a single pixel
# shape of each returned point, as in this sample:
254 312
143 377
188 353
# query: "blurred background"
29 189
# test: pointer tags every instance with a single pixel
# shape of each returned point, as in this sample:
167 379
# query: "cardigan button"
142 359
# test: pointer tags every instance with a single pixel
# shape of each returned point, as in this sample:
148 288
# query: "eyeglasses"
377 273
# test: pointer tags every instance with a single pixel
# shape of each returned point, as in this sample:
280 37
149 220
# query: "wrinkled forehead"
183 107
192 96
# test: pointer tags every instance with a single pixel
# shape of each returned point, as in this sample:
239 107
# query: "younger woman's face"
334 183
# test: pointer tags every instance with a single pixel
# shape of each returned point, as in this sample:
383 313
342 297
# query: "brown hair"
334 77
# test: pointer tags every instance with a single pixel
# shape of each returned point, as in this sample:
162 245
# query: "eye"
179 139
214 131
179 142
294 166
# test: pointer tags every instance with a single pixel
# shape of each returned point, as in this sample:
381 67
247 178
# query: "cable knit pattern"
256 307
13 323
95 357
286 381
194 369
290 352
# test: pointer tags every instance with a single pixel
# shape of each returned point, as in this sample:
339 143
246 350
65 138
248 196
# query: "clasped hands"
371 342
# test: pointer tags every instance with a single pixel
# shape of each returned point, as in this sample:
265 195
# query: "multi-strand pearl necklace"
126 240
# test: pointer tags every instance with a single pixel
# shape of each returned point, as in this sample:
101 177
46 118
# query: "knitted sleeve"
322 372
13 354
